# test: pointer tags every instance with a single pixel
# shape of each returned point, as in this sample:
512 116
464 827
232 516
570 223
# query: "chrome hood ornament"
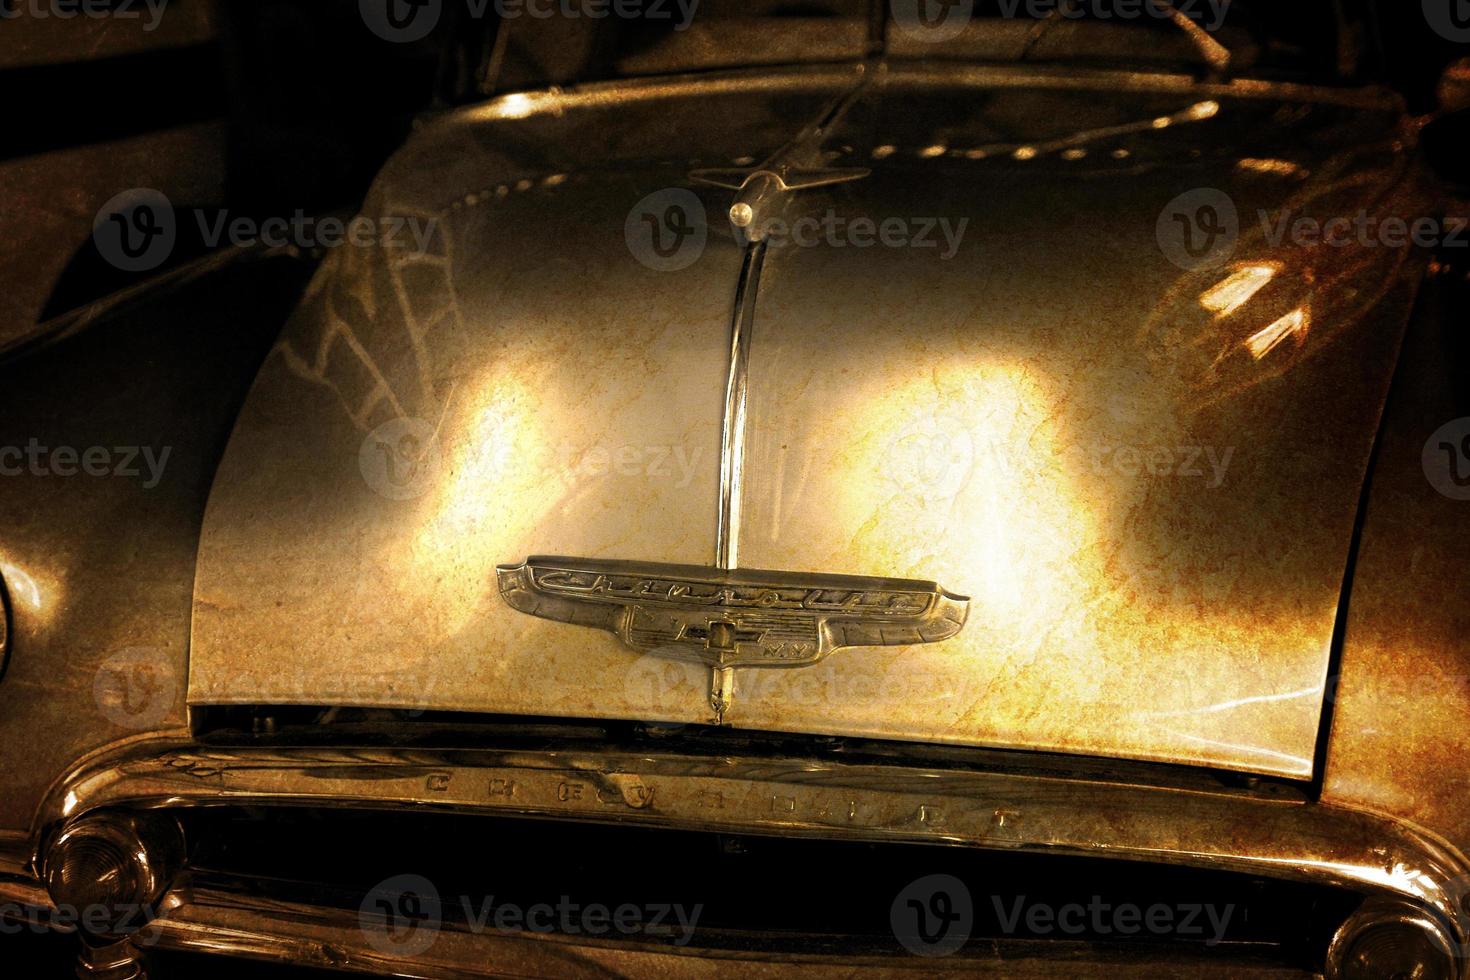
739 618
724 616
796 166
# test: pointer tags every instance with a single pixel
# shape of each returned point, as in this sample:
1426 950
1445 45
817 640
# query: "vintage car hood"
1144 481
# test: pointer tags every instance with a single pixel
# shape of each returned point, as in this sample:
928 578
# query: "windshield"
1318 41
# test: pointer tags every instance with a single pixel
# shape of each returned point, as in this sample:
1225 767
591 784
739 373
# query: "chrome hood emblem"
740 618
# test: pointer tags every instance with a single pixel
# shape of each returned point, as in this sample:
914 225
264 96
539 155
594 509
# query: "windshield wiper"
1211 51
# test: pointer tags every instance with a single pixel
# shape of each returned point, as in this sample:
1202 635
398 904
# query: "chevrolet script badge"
732 619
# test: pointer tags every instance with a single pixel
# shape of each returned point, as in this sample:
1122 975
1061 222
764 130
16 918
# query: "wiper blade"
1211 51
1215 54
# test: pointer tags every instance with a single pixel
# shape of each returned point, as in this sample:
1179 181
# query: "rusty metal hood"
1137 463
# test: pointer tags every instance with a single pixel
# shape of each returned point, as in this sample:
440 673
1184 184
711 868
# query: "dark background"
263 107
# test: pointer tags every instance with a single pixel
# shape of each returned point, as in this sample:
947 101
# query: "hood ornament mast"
726 617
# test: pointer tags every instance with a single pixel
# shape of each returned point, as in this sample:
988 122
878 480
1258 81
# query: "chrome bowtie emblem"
732 619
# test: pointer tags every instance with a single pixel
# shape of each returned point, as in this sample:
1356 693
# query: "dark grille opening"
298 725
755 893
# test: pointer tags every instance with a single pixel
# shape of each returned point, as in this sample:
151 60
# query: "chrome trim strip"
21 894
73 321
899 73
1081 816
732 445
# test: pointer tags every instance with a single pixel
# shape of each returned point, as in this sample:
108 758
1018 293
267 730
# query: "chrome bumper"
1271 833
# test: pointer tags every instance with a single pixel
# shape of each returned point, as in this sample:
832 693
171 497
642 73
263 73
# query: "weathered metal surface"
1400 738
1147 486
97 551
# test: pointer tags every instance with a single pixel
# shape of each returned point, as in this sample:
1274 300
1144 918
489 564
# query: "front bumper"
1272 830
